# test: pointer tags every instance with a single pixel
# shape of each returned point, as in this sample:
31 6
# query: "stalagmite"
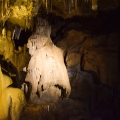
46 70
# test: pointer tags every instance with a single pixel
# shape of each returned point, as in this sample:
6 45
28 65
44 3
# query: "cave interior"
63 56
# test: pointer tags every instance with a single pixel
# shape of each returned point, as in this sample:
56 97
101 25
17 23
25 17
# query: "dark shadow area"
10 70
23 39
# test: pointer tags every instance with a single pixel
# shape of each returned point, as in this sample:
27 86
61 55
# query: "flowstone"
47 73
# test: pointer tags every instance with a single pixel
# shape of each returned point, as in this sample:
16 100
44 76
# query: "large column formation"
46 70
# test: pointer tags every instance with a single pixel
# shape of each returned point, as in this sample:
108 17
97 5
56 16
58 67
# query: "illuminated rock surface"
93 96
12 100
46 72
87 31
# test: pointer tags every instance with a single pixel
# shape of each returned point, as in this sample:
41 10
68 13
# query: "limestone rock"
102 59
47 73
72 59
12 100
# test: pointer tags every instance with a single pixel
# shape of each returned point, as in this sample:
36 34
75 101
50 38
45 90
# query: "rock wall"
93 69
96 53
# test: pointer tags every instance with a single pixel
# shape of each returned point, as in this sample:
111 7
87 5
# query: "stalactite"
69 6
76 4
46 4
44 1
2 8
5 7
51 5
72 3
27 3
65 3
86 0
13 34
8 3
94 5
17 32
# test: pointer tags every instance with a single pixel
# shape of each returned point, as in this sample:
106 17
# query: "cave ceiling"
20 12
89 16
27 21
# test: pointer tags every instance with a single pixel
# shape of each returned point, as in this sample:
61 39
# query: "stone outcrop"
47 73
98 53
12 100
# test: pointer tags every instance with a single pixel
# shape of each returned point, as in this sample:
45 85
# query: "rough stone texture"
95 84
100 55
95 87
47 73
92 64
12 100
70 56
13 60
96 53
72 41
21 12
101 64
